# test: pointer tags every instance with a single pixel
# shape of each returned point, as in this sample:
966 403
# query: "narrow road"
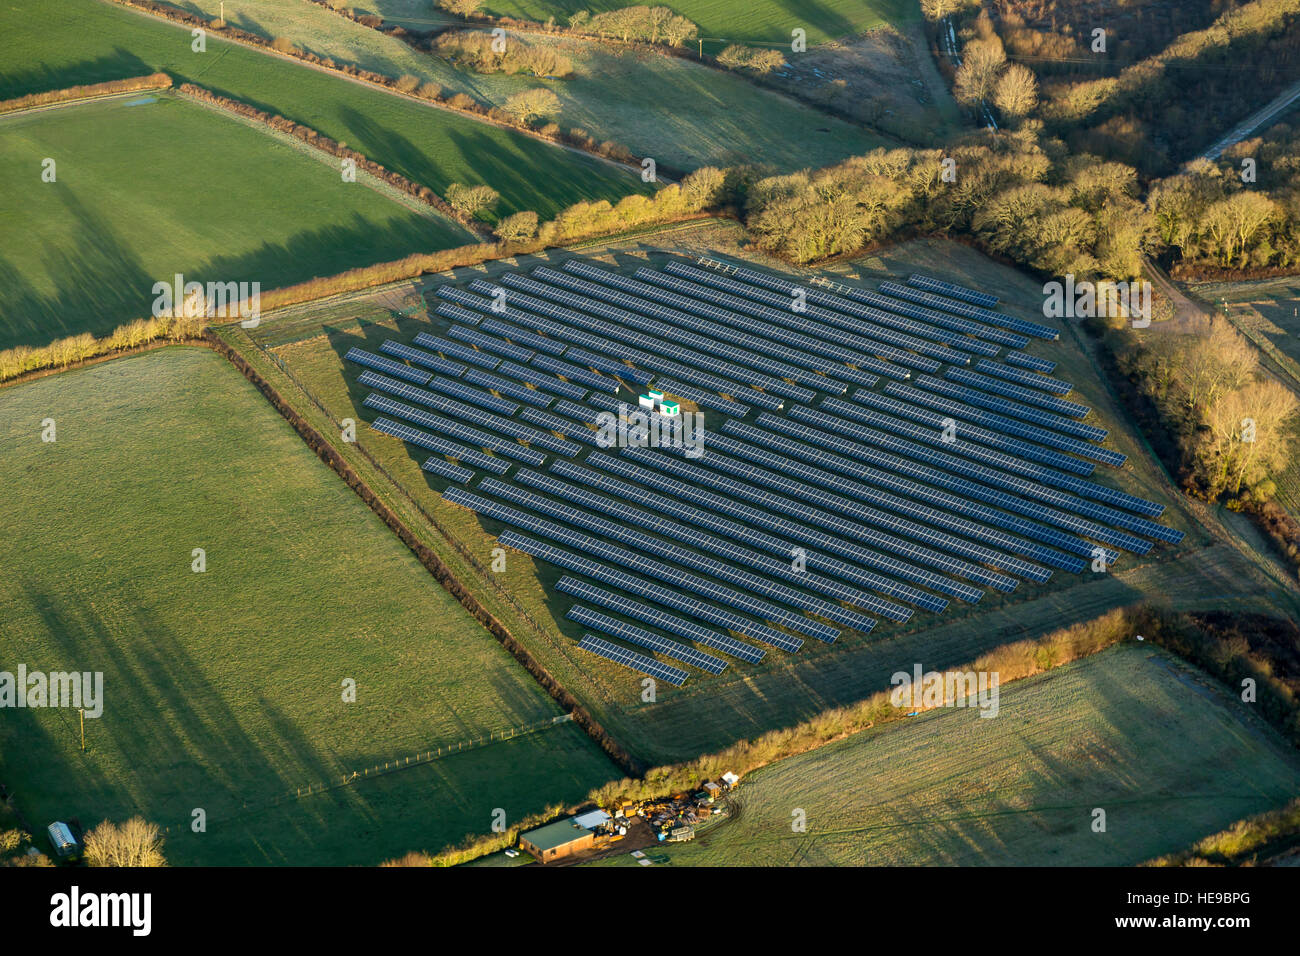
1189 315
1285 100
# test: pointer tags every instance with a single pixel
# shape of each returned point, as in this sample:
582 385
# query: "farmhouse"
558 840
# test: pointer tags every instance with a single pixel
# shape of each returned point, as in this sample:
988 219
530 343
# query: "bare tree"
133 843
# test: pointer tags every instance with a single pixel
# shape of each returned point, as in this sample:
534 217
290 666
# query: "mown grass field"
682 113
711 712
50 45
223 690
1131 730
149 186
742 21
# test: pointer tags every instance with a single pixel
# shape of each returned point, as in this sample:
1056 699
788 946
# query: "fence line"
401 763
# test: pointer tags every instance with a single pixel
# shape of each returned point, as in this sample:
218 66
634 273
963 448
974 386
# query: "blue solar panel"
664 597
784 362
421 357
606 364
1021 377
819 326
475 396
783 547
755 517
653 342
494 423
1033 362
637 662
938 286
515 334
462 352
631 561
863 496
491 343
589 617
863 304
862 481
1029 395
1001 424
529 396
969 311
661 619
723 571
576 373
696 538
446 469
448 426
370 360
1006 407
539 379
439 444
453 311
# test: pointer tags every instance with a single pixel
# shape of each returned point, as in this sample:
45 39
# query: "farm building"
557 840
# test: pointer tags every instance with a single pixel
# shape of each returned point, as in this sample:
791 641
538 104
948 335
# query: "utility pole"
223 12
83 731
701 49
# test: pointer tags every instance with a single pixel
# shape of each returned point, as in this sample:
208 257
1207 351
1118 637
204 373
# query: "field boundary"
69 95
183 19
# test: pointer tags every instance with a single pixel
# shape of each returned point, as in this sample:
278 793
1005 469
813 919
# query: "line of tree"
72 349
154 81
1029 202
1210 217
407 84
1230 421
758 60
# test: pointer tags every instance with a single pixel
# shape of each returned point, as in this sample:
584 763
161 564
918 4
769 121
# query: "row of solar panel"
923 513
559 322
466 413
969 311
951 290
875 486
790 327
816 432
1042 436
637 662
892 363
671 623
657 285
653 361
758 518
833 310
864 336
637 493
768 356
851 301
668 528
681 557
657 570
642 587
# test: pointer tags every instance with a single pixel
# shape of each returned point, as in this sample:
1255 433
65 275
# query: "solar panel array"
870 454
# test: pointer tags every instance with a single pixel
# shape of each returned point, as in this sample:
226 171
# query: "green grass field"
170 186
223 690
741 21
682 113
1131 730
49 45
712 712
